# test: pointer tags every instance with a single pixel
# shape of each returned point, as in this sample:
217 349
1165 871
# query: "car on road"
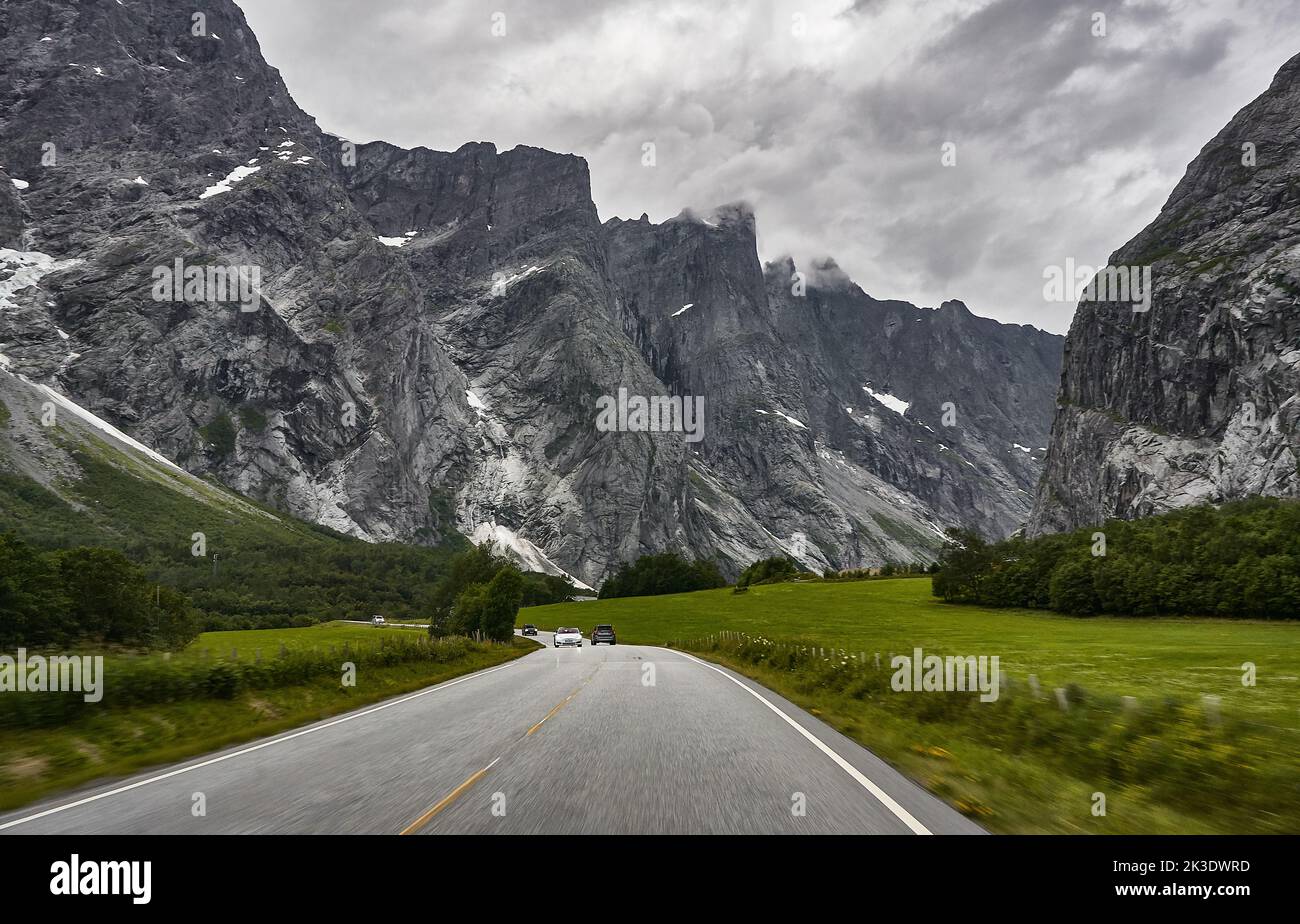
603 635
376 620
568 638
529 629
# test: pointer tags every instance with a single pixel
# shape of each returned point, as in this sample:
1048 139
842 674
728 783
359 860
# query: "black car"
603 634
530 629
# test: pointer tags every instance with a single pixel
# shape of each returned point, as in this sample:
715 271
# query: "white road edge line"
257 747
885 799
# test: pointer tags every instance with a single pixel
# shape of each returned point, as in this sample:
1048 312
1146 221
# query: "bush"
768 570
144 680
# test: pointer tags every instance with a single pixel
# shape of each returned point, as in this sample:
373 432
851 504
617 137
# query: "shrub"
768 570
220 435
142 680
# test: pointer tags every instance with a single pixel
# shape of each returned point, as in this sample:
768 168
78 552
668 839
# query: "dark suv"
529 629
603 634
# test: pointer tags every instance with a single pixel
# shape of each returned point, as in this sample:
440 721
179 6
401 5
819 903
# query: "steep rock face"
1198 399
12 221
690 294
433 330
948 406
510 250
138 144
791 430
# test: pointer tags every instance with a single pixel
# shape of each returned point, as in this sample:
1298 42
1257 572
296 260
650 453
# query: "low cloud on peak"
828 118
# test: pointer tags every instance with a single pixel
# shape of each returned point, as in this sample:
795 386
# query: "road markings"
447 800
884 798
257 747
558 707
456 793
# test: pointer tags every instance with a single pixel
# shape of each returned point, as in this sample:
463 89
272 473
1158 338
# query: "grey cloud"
1067 144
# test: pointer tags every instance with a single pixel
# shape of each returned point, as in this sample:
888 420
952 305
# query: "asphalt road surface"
623 739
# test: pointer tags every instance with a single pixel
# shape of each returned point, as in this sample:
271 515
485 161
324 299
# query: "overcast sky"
828 117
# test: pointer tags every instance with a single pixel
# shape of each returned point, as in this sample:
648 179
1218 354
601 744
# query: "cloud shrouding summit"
829 117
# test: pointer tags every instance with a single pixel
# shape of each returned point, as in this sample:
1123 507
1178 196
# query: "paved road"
624 739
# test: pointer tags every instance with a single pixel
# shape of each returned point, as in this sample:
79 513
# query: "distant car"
568 638
530 629
376 620
603 635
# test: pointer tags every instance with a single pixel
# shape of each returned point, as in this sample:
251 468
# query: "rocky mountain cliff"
416 342
1198 398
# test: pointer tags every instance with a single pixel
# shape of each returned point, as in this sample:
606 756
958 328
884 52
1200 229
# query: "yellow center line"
456 793
558 706
448 800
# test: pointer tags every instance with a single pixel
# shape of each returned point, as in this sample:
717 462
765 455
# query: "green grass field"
1024 766
247 642
1146 658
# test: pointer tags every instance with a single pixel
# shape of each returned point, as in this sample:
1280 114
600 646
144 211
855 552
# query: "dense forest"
1239 560
664 573
73 595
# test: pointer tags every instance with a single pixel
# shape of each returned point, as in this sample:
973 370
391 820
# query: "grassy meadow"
1146 658
1024 766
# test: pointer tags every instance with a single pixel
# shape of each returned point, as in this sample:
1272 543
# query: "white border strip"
257 747
885 799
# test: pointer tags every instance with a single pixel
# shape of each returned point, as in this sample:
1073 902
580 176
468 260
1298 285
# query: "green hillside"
78 484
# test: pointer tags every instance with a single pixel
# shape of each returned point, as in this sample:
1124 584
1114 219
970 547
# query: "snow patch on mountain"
25 268
226 185
522 550
897 405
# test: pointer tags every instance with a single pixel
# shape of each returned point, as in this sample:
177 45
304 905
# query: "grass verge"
111 742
